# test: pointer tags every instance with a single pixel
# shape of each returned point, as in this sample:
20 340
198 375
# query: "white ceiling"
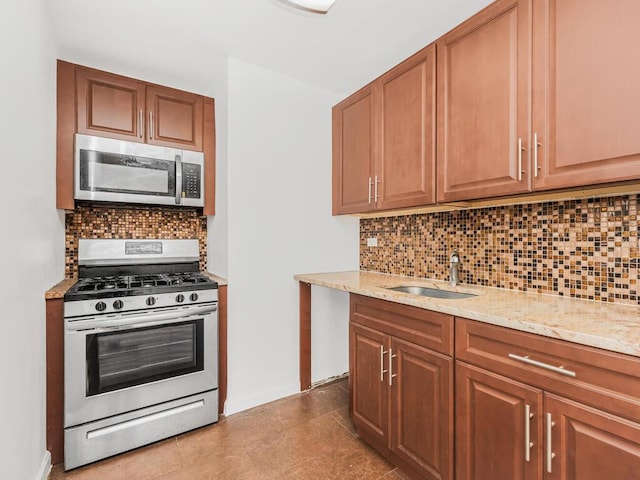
341 51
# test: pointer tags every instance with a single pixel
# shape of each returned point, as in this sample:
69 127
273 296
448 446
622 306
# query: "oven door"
119 363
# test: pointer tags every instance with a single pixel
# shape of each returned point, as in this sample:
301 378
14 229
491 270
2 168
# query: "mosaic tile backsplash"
580 248
90 221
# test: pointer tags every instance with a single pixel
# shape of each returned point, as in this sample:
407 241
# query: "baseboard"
232 405
326 381
45 467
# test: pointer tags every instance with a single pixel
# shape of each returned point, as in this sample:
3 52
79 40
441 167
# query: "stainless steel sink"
432 292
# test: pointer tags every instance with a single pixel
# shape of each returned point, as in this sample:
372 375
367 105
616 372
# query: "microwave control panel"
191 175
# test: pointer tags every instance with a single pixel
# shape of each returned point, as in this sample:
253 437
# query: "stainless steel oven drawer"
104 438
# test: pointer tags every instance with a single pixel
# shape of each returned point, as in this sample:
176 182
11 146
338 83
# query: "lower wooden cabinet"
506 430
421 408
401 392
555 410
369 395
496 421
588 444
526 407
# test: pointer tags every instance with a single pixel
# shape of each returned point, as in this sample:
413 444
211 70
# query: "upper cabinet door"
110 105
353 154
174 118
484 104
405 172
586 93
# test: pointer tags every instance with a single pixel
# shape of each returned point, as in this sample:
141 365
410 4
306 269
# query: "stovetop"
110 286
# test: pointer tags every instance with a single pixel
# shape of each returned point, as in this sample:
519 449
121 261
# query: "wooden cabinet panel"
369 395
109 105
606 380
422 327
589 444
66 114
406 124
55 378
483 104
586 92
491 422
422 428
353 153
175 118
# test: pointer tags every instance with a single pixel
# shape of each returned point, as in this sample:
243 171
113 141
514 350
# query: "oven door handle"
135 320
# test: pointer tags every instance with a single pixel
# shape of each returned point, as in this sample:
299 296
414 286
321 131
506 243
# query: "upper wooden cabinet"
353 158
383 140
94 102
120 107
532 95
110 105
175 118
585 92
536 95
483 103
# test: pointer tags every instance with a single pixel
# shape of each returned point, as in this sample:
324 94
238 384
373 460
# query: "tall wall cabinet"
94 102
532 95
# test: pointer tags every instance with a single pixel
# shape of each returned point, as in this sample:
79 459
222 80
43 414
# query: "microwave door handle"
178 179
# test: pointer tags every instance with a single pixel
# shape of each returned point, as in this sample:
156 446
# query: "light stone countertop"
60 288
597 324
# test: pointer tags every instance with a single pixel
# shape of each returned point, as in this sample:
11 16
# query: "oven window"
117 360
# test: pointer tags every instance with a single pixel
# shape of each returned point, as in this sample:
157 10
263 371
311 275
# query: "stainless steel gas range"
141 347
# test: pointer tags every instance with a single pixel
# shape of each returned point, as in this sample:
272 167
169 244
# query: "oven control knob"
101 306
151 301
179 298
118 304
193 297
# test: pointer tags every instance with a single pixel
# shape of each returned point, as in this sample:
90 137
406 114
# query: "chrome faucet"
454 263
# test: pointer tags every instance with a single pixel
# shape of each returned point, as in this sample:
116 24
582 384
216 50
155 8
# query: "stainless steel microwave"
118 171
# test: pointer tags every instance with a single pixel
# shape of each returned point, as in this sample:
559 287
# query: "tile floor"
307 436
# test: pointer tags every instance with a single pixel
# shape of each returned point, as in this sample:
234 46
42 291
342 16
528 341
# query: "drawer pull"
535 363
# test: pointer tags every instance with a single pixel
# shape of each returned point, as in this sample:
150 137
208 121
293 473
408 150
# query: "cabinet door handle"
550 454
391 374
151 124
535 155
520 149
527 432
370 184
141 123
561 370
382 370
376 189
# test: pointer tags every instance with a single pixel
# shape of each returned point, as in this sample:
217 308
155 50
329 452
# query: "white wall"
32 233
280 224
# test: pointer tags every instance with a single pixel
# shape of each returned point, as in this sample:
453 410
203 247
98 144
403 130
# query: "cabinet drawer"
606 380
423 327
